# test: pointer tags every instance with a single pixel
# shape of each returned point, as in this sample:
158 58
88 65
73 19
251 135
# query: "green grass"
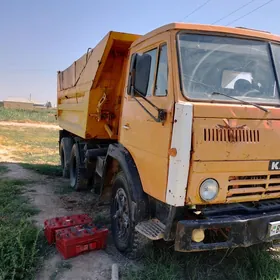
47 116
44 169
3 169
242 264
19 245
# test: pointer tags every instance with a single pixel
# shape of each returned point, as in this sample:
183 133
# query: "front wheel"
128 241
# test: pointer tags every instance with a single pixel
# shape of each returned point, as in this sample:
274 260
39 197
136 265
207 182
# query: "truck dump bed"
90 91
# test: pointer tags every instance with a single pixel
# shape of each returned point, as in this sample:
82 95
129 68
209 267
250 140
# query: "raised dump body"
91 89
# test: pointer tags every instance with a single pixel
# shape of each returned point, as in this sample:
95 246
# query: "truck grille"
250 188
231 135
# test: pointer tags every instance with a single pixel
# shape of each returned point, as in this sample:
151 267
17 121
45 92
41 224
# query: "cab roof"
235 31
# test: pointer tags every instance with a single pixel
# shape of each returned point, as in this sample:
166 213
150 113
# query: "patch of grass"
3 169
44 169
47 116
30 145
19 246
12 204
158 264
15 182
242 264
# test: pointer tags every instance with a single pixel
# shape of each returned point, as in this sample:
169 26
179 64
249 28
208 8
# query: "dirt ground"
51 196
39 125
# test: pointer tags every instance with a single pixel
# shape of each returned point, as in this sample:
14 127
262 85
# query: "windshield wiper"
240 100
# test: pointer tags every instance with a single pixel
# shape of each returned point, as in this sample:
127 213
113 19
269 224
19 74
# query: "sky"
40 37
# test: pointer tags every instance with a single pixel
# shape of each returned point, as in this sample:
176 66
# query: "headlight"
209 189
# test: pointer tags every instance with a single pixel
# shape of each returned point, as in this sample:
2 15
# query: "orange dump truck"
180 130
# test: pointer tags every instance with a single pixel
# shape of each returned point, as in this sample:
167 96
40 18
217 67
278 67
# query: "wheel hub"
122 214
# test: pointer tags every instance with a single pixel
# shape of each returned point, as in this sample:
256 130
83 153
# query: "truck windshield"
236 67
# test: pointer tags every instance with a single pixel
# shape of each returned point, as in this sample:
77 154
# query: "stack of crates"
75 234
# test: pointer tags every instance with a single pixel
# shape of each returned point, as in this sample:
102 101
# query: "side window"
153 54
162 73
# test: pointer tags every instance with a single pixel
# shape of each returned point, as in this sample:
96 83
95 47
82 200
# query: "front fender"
123 157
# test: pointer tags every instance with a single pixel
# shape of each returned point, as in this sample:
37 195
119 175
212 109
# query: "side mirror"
139 76
140 73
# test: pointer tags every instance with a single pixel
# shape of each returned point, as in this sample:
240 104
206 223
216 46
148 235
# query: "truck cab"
196 158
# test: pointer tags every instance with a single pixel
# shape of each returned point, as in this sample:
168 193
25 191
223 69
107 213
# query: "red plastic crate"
54 224
73 241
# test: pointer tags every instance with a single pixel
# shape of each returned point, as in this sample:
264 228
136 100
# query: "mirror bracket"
162 114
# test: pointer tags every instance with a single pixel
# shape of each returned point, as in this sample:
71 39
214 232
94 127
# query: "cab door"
146 139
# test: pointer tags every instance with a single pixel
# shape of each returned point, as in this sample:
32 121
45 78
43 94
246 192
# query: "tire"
78 180
65 148
127 240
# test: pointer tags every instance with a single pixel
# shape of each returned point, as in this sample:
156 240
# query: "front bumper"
243 231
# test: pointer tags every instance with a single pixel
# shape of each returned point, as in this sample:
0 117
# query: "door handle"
126 126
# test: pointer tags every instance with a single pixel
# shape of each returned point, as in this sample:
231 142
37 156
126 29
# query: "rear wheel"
128 241
78 180
65 148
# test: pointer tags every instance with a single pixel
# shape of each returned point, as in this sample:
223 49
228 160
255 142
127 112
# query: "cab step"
152 229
